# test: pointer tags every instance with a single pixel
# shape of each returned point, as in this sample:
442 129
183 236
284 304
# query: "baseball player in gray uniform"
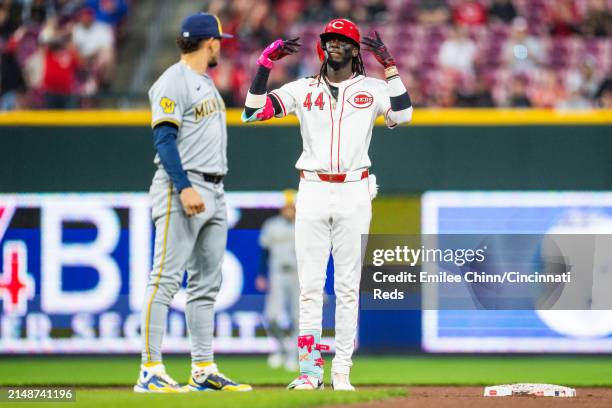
278 275
188 208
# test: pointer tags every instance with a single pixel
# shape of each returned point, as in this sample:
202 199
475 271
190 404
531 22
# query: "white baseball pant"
331 217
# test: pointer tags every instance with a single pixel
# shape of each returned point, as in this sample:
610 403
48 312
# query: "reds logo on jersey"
361 100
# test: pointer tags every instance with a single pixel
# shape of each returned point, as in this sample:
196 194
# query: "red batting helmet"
342 27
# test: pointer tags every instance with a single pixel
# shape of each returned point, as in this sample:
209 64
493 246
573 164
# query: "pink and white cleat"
306 382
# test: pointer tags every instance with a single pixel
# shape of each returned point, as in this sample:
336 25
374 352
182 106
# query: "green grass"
418 370
255 399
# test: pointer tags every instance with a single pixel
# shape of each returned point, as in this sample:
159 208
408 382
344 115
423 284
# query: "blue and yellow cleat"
210 379
154 379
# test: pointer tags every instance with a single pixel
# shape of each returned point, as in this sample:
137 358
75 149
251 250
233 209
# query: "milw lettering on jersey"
207 107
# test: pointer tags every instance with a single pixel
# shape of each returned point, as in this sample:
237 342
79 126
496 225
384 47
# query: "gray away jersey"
191 101
278 237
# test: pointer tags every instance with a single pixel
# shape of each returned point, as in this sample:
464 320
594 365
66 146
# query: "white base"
529 389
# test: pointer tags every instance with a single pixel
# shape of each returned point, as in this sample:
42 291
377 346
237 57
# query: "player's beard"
336 65
213 63
347 57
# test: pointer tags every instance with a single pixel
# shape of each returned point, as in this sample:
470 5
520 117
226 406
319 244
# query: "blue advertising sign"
555 331
74 269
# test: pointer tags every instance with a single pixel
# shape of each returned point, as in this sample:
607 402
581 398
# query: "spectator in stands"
575 100
346 9
458 52
522 52
518 96
547 90
316 11
12 82
67 8
475 93
230 80
94 41
10 18
503 11
445 97
278 77
433 12
260 22
583 79
38 11
60 65
109 11
469 13
24 43
604 94
222 75
416 92
598 20
287 12
254 21
376 11
563 18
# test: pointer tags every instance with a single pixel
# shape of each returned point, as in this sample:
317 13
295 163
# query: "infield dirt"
471 397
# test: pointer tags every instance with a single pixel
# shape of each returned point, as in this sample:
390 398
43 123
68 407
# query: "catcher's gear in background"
342 27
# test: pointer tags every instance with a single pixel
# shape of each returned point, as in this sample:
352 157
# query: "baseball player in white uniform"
278 276
336 109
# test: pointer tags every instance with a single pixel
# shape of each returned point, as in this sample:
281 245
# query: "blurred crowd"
57 54
465 53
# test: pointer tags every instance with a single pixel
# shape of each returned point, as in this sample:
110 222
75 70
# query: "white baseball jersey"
336 135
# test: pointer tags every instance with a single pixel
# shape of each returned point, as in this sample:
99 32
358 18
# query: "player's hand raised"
192 201
286 47
379 49
277 50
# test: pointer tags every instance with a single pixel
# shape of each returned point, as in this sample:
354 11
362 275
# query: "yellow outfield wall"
422 117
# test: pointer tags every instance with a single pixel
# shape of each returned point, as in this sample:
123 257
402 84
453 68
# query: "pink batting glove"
277 50
264 58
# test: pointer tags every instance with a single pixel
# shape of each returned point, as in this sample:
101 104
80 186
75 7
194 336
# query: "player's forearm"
256 97
401 105
259 105
164 136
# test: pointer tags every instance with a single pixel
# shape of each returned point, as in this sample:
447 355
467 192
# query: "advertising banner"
578 318
74 269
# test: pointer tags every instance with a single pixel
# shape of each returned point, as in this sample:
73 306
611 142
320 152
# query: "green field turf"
255 399
416 370
88 372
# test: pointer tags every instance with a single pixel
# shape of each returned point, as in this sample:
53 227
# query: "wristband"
264 61
391 72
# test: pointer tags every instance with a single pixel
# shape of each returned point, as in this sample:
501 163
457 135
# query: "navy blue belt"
210 178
